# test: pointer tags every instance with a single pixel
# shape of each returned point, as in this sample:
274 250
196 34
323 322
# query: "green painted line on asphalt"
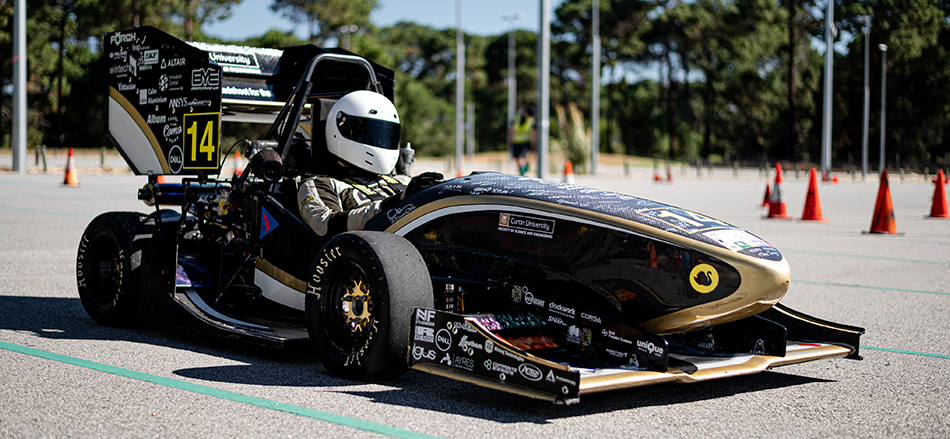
869 287
883 258
901 351
47 212
306 412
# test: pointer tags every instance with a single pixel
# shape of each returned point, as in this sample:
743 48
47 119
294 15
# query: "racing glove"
418 183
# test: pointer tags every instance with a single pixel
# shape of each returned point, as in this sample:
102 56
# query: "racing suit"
331 206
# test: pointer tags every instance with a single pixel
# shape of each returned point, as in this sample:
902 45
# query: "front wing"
463 348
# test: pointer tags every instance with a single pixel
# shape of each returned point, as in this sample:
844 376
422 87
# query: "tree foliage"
702 79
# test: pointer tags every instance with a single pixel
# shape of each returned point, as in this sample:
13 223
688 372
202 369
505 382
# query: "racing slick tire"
105 269
359 302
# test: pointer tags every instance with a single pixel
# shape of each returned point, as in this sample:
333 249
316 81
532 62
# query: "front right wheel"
359 301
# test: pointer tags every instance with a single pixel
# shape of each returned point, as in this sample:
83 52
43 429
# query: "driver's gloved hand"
420 182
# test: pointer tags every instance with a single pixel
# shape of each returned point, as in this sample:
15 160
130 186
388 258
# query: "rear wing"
167 98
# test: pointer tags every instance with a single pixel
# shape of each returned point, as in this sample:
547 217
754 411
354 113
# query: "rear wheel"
104 268
359 300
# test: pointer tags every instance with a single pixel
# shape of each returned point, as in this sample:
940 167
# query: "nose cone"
763 283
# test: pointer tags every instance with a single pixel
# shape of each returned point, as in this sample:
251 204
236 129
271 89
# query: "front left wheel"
359 299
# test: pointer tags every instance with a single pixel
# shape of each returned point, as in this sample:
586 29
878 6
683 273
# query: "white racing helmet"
363 130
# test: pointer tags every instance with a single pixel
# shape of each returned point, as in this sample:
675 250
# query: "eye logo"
704 278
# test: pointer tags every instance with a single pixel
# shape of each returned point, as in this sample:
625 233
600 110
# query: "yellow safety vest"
522 131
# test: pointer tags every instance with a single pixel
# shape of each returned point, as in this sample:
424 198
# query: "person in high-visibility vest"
522 135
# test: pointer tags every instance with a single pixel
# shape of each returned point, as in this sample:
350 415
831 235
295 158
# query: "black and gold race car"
540 288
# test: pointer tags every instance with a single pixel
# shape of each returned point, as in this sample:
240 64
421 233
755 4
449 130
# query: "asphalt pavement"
61 375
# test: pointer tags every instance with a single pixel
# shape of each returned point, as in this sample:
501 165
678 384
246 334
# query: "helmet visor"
368 131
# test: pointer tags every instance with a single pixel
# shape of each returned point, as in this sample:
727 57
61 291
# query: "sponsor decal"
561 309
171 132
425 317
590 317
736 240
133 66
556 320
465 326
424 334
118 55
650 348
157 100
615 353
446 360
443 340
249 92
119 38
143 97
525 225
490 323
550 377
419 352
175 159
465 363
704 278
172 62
185 102
396 214
581 336
613 336
119 69
154 119
268 223
530 372
126 87
234 59
205 79
326 256
683 220
504 369
529 299
489 346
150 57
467 345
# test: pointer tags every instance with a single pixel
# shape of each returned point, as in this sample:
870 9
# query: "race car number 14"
201 140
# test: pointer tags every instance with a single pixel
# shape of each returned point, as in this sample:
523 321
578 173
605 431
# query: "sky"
480 17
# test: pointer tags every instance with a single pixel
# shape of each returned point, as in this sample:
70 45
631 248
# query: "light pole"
595 89
830 33
512 82
866 19
544 88
345 32
459 87
883 48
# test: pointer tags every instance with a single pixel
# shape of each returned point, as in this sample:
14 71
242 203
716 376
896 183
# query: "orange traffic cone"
669 173
777 208
238 163
768 194
883 220
568 172
656 177
939 207
812 210
159 178
72 178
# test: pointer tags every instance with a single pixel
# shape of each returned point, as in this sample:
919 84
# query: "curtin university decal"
164 106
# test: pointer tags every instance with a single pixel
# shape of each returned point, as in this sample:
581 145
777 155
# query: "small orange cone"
812 210
777 209
883 220
656 177
939 207
669 173
568 172
72 178
238 163
768 194
159 178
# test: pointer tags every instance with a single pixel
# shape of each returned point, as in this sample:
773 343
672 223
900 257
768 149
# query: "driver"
362 135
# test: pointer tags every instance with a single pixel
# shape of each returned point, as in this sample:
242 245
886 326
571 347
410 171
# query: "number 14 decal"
201 140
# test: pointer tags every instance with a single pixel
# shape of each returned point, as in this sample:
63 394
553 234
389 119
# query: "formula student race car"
530 286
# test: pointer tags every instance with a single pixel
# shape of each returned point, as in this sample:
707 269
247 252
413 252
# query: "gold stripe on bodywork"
280 275
140 121
763 282
755 364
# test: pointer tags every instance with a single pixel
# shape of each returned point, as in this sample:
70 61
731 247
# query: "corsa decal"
268 223
704 278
